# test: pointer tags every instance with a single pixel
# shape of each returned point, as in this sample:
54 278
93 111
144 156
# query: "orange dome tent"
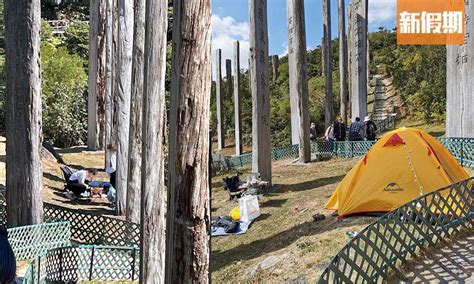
403 165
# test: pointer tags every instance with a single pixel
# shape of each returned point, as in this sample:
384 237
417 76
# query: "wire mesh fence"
84 263
399 235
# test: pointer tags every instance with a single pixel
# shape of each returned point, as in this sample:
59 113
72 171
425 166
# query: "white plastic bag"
249 208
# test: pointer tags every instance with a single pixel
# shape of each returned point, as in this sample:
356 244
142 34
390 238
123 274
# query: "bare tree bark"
329 117
275 66
153 202
261 144
136 113
123 87
109 93
237 95
23 113
219 104
97 75
189 211
343 60
298 71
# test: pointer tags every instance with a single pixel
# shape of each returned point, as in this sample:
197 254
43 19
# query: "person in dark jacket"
339 129
7 259
370 129
356 130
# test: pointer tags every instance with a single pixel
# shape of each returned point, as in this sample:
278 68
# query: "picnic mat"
219 231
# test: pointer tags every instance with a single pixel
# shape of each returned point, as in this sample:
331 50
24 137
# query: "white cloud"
225 31
382 12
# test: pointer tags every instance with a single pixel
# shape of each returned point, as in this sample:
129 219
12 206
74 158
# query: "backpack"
229 225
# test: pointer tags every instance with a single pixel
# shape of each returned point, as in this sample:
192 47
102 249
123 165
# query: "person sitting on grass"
7 259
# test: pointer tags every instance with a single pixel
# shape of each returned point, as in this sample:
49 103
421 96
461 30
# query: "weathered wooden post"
219 104
261 144
136 113
237 108
343 60
109 93
329 116
188 216
299 99
97 75
358 53
154 194
23 113
123 85
275 66
460 75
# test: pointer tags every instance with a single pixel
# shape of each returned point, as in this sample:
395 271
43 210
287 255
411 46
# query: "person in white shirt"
80 179
112 166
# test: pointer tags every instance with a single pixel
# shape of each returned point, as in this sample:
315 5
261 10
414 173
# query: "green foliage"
76 39
64 96
419 73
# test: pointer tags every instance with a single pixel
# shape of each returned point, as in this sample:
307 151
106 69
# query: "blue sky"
230 23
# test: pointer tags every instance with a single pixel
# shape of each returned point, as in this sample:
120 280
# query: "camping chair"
232 186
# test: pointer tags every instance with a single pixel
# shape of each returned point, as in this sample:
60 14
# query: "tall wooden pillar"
97 75
329 116
298 77
123 85
188 233
358 53
343 61
109 70
219 104
275 66
228 75
237 94
261 144
460 75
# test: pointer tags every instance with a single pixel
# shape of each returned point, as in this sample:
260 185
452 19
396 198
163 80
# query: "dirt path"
451 264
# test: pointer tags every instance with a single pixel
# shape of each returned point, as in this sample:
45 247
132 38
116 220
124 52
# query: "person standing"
329 137
339 129
7 258
370 129
312 132
112 166
356 130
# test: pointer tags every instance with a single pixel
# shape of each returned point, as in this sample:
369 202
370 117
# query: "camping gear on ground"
228 224
235 213
256 186
249 208
403 165
241 229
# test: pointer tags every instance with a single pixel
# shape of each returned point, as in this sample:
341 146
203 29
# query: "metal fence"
391 240
28 241
461 148
84 263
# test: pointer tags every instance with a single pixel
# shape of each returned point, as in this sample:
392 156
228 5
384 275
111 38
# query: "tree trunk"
261 144
109 93
329 117
123 87
136 113
358 53
298 77
228 75
275 66
343 61
237 107
189 210
97 75
219 104
23 113
349 62
153 195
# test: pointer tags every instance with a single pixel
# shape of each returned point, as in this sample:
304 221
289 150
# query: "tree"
23 113
189 211
135 144
153 202
123 90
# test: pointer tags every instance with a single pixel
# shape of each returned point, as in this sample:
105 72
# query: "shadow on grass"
72 150
3 158
273 243
307 185
53 177
273 203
